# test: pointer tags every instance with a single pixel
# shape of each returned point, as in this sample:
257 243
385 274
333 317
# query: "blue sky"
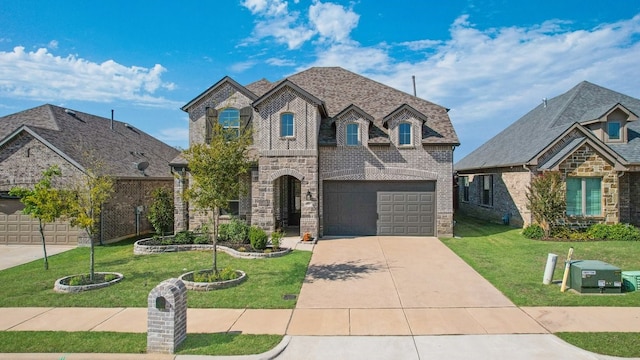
489 61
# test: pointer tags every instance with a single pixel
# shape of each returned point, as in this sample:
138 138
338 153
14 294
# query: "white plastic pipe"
552 260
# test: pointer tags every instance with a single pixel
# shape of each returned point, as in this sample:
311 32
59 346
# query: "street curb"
268 355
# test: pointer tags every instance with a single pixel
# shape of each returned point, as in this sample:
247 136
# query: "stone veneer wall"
379 163
509 196
586 162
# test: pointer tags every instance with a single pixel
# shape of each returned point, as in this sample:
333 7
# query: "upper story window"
404 134
286 125
229 119
614 130
584 196
353 134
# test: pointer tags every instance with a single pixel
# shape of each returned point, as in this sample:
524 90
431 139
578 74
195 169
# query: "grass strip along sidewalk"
515 265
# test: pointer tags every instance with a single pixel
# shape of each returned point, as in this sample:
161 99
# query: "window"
353 134
233 208
465 188
229 119
613 130
486 193
584 197
286 125
404 134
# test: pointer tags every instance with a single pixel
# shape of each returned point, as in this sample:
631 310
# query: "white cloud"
41 75
280 62
420 44
53 44
242 66
333 22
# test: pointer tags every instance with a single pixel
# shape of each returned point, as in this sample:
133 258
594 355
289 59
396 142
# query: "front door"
293 201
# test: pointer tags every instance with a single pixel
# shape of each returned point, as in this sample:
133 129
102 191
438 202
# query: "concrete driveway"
400 286
14 255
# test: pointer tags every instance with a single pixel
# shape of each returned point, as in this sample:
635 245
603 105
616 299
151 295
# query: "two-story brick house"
335 153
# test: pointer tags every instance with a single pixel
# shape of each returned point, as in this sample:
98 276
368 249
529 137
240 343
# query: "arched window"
404 134
286 125
353 134
229 119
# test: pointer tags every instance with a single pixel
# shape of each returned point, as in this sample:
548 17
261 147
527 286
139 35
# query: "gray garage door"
352 208
17 228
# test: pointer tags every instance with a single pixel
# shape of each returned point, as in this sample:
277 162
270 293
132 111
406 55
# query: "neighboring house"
335 154
34 139
590 134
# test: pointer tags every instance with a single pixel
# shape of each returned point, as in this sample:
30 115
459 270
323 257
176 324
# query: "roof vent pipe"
111 119
413 78
544 102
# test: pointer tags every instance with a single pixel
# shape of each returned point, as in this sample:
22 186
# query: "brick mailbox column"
166 316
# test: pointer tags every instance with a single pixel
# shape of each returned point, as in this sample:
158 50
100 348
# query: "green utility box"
594 276
630 280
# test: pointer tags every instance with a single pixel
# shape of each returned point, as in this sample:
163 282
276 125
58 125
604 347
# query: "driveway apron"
400 286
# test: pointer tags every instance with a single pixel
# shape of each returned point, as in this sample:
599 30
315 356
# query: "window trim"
357 134
465 188
400 126
293 125
584 197
227 127
488 201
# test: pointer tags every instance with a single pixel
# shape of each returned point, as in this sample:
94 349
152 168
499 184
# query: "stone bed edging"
207 286
61 288
141 249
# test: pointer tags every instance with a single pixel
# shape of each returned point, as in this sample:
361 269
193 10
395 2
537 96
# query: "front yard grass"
131 343
267 281
515 265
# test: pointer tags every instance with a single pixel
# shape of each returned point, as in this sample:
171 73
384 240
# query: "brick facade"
300 157
24 159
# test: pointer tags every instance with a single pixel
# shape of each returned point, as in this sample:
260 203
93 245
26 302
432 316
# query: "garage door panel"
413 214
18 228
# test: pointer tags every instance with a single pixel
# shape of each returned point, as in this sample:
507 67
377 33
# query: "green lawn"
267 279
131 343
515 264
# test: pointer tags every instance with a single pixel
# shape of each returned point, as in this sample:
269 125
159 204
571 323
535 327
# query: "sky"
489 61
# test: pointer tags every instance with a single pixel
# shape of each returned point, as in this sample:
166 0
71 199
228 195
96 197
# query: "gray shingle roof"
74 133
524 139
339 88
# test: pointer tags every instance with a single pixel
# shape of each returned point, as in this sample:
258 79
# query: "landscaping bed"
154 246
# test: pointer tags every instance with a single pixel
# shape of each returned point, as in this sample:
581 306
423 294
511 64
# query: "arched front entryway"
288 204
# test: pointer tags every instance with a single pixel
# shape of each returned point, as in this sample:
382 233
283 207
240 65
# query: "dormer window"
613 130
353 134
404 134
286 125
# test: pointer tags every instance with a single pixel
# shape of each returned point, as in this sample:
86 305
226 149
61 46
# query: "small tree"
85 202
546 199
215 169
43 202
161 211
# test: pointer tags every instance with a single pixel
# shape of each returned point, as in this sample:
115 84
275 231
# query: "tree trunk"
216 219
44 246
91 258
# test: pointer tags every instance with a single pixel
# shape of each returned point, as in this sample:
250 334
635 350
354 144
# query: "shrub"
202 239
210 276
242 249
258 238
533 231
160 213
617 232
238 231
184 237
276 236
223 232
562 232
